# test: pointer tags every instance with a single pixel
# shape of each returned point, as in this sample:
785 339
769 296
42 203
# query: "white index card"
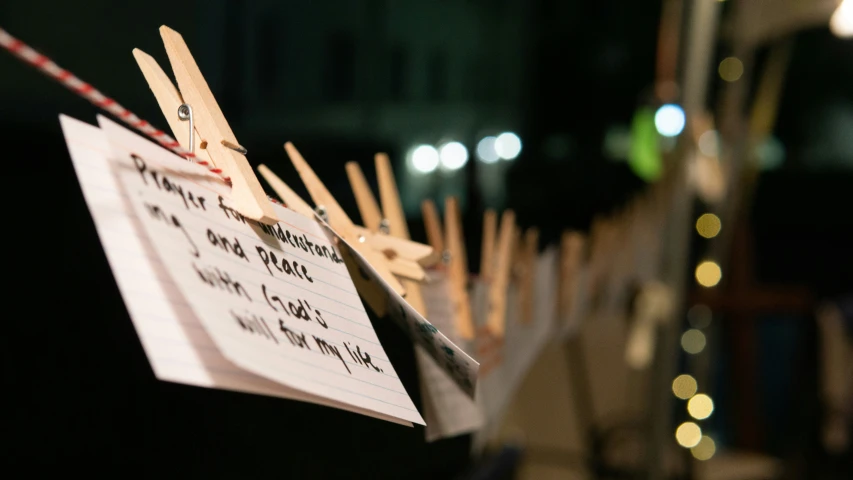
176 341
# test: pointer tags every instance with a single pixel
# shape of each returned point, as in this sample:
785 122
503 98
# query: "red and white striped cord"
83 89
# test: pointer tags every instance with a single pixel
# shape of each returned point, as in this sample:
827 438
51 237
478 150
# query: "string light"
708 225
700 406
693 341
699 316
684 386
688 434
705 449
708 273
731 69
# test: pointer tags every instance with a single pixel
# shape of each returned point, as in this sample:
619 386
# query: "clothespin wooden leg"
435 237
496 315
487 251
458 269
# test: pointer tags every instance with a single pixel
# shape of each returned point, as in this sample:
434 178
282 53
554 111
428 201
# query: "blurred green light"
644 155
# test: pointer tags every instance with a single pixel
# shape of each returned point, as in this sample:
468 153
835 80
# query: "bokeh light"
705 449
708 273
486 151
699 316
700 406
709 143
688 434
669 120
453 155
684 386
708 225
841 22
693 341
424 158
508 145
731 69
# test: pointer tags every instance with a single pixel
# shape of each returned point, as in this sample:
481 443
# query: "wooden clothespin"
389 256
487 249
499 282
457 269
571 256
434 234
525 269
371 215
390 220
206 134
495 272
454 260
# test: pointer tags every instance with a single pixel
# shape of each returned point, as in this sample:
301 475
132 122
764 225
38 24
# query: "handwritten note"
219 301
449 410
447 355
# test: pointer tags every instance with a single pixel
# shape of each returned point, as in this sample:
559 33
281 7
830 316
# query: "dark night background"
343 80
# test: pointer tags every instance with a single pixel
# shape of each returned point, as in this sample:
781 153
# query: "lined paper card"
207 316
449 410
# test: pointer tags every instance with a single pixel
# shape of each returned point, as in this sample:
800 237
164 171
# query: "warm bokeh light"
699 316
705 449
684 386
841 22
700 406
708 225
708 273
709 143
486 150
508 145
731 69
670 120
453 155
688 434
693 341
424 158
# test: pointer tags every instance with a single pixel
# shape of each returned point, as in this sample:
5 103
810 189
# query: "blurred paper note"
449 410
521 346
221 302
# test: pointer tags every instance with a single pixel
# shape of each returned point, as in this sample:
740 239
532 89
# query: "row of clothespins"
195 120
204 136
384 240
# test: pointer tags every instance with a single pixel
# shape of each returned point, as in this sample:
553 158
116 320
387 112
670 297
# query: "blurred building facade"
378 71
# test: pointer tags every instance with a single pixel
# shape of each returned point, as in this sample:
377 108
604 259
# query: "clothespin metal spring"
185 113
